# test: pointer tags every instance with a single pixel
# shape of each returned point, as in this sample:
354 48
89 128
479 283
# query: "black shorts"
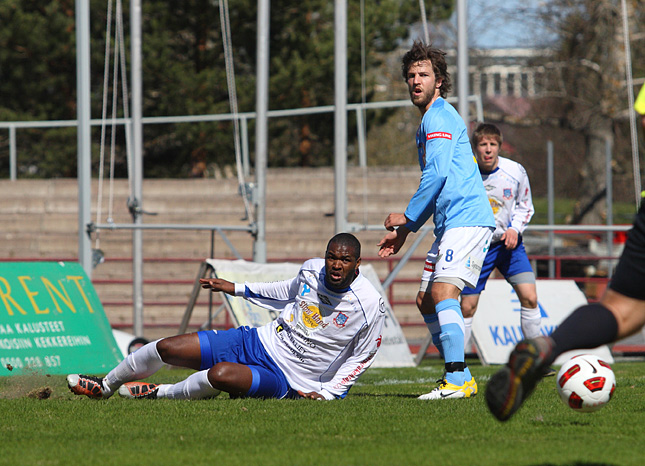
629 278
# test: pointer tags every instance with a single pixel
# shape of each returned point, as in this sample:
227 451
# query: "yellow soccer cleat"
473 386
447 390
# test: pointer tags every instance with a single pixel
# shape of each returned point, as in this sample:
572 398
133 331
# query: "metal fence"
243 118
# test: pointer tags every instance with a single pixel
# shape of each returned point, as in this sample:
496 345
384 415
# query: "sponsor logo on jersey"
349 378
311 317
340 320
495 205
438 134
324 299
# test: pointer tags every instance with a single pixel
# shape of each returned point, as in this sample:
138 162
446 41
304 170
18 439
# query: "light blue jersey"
451 187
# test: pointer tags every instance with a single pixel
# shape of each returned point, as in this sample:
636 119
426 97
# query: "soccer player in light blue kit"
450 190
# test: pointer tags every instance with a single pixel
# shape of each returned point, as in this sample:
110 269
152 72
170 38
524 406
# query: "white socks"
136 366
530 320
195 387
146 361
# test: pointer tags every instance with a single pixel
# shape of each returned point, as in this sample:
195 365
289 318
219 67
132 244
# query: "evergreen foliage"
184 74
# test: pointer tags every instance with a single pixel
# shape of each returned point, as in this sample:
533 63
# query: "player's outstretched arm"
218 284
395 220
392 241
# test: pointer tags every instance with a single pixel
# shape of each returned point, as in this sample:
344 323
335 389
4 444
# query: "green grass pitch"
379 423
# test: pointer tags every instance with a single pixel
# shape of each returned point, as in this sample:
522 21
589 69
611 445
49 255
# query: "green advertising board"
52 322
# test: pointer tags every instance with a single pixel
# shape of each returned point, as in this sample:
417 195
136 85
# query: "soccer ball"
586 383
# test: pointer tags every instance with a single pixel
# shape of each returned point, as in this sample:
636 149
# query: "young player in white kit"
509 192
327 334
451 191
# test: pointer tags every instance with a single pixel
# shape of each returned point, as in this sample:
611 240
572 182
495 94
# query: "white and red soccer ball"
586 383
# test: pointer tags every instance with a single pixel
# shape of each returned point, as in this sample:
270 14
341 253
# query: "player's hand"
510 238
218 284
311 395
392 242
395 220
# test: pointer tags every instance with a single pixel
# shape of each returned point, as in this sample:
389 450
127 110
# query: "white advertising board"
394 350
496 325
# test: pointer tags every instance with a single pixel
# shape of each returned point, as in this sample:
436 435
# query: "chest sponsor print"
310 318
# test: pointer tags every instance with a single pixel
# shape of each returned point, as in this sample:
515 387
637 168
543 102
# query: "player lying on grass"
619 314
327 334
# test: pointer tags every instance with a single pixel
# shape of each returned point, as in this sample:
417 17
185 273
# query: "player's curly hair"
421 52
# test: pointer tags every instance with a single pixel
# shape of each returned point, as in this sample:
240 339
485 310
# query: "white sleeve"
523 211
366 345
270 295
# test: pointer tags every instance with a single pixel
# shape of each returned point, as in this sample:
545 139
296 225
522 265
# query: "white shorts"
457 258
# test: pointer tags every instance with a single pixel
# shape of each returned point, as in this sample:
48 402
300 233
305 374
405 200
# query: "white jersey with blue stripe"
451 188
509 194
322 340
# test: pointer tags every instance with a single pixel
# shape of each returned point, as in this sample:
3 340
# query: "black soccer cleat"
514 383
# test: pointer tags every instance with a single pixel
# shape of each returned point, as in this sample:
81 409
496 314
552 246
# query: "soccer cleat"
472 386
138 390
548 372
87 385
514 383
447 390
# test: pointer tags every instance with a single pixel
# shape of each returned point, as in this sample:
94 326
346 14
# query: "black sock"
589 326
455 366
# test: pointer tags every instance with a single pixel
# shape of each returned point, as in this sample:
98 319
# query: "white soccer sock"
468 324
136 366
195 387
530 320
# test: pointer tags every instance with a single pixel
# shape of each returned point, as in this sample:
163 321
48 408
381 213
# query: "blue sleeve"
437 141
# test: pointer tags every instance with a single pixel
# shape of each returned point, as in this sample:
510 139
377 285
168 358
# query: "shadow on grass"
577 463
380 395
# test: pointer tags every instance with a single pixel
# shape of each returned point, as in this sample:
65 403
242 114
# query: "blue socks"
432 322
451 323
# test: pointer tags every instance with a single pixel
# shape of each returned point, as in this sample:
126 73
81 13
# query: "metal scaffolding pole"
84 173
462 59
340 114
135 203
261 129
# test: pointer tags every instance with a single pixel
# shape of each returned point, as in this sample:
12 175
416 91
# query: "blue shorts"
242 345
509 262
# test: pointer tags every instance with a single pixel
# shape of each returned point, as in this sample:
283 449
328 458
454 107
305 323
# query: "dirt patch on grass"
41 393
37 386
